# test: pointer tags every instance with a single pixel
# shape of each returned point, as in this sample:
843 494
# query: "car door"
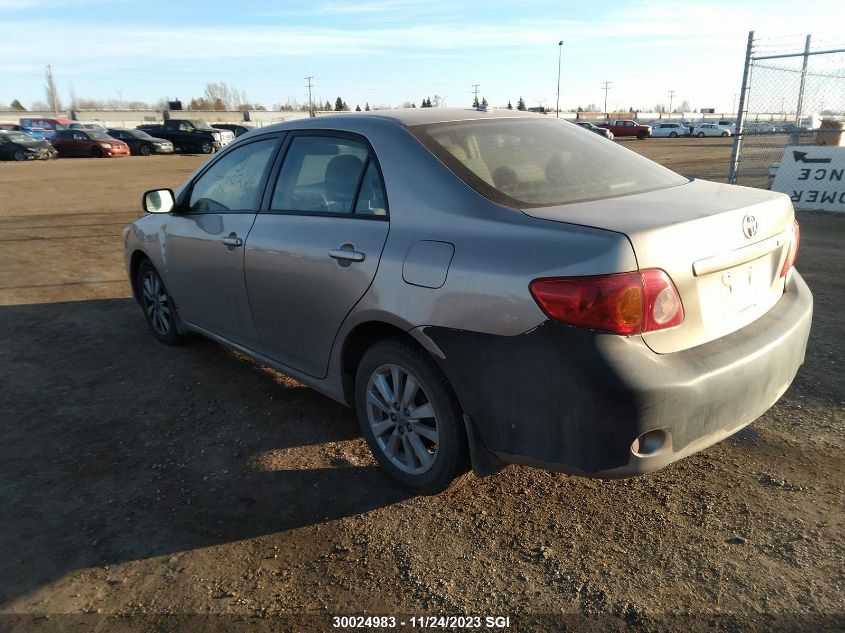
81 143
204 251
315 250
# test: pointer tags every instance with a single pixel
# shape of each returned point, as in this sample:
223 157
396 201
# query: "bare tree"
51 94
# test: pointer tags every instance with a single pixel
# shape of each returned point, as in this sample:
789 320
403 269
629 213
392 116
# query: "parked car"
81 125
140 142
623 128
88 143
48 126
672 130
36 133
601 131
484 287
235 128
189 135
709 129
730 126
15 145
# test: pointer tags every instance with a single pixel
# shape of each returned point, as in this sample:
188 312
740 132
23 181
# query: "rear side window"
324 175
526 163
233 182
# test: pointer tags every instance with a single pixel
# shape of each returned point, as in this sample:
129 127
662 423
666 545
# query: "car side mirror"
159 201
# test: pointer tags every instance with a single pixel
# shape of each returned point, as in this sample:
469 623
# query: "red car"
88 143
627 127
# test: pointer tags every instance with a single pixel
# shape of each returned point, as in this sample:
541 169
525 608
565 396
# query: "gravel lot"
145 481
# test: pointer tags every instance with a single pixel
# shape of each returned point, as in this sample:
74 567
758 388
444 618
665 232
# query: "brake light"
792 253
623 303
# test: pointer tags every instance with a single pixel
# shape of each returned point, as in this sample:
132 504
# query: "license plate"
741 288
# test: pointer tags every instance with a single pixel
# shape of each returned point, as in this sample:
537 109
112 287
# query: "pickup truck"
627 128
190 135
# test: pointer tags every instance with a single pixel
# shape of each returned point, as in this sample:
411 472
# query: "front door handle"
232 240
344 254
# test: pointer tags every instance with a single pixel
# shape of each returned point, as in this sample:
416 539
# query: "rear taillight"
623 303
792 253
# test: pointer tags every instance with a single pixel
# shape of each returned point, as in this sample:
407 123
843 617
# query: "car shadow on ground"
117 448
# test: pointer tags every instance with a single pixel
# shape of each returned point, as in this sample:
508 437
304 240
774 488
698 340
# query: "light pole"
559 57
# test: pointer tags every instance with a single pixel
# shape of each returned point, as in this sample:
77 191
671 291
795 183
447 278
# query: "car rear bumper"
570 400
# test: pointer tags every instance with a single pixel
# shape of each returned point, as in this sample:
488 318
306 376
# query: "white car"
672 130
730 126
710 129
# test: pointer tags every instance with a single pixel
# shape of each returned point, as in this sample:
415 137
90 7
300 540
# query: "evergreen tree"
357 108
338 104
475 103
367 106
510 107
520 105
327 107
484 103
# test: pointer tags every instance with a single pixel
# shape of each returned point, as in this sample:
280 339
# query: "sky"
386 52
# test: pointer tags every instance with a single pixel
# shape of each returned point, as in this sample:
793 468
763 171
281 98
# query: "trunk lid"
696 232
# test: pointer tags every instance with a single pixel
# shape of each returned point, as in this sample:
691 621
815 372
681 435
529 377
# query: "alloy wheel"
402 419
156 303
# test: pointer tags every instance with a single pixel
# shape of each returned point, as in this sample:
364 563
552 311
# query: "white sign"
813 176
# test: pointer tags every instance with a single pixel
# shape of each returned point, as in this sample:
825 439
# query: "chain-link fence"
793 93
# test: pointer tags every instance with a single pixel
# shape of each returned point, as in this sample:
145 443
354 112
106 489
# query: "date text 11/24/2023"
421 622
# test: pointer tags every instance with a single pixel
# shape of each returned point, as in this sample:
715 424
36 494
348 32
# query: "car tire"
724 134
642 136
673 135
145 149
700 135
206 147
19 155
96 152
427 454
158 308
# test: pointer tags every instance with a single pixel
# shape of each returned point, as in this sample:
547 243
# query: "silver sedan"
484 288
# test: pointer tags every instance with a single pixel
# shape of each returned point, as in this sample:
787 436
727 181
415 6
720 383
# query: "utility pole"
671 96
52 86
606 86
475 91
310 100
559 56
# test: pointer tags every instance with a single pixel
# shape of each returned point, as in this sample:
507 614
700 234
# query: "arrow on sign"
801 157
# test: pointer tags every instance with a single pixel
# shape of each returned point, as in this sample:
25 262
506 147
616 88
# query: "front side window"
540 162
321 174
233 182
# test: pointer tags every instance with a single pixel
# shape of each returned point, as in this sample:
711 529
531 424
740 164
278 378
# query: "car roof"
404 116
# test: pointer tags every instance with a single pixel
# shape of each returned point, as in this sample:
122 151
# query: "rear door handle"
348 255
232 240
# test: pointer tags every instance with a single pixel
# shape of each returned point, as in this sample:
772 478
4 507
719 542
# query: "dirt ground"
146 487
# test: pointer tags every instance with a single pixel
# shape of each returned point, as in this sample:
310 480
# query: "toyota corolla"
484 288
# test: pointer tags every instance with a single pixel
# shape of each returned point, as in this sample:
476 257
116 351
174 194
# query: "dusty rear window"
541 162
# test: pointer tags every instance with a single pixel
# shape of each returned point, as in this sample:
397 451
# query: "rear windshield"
540 162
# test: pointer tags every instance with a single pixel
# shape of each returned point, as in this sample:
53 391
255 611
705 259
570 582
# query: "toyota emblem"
749 226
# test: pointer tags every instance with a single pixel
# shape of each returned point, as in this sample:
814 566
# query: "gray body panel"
299 295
